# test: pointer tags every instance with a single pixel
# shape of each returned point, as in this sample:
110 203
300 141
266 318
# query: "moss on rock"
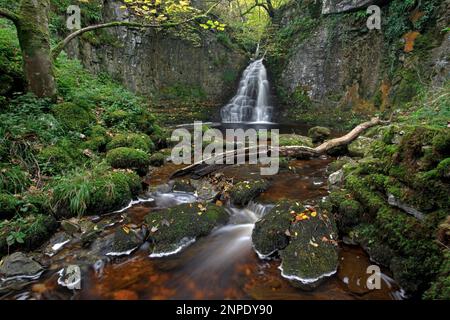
157 159
294 140
174 226
319 134
245 191
132 140
72 116
360 147
128 158
271 232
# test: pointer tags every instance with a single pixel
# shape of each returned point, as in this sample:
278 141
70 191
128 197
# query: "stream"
222 265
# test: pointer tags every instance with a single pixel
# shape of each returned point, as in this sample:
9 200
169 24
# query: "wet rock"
89 236
336 178
183 186
311 255
70 227
205 190
360 147
56 243
271 233
70 277
319 134
245 191
19 265
173 228
305 239
125 241
340 6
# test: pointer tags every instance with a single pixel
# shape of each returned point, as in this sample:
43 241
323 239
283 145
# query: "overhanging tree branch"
61 45
9 15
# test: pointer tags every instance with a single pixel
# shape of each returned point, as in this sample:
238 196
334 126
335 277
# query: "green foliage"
25 232
8 205
13 179
157 159
11 76
128 158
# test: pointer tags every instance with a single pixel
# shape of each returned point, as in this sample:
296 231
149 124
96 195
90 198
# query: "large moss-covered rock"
294 140
94 194
72 116
311 255
176 226
34 230
271 232
319 134
132 140
245 191
360 147
128 158
54 159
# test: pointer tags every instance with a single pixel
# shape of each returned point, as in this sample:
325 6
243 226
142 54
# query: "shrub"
128 158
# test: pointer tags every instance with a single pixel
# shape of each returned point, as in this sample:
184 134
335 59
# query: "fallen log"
198 169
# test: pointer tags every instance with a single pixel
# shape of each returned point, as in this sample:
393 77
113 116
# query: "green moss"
443 168
97 140
350 214
128 158
72 116
131 140
8 205
157 159
319 134
54 159
372 200
245 191
440 288
441 143
269 234
294 140
178 224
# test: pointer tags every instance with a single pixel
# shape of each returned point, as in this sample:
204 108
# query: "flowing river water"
222 265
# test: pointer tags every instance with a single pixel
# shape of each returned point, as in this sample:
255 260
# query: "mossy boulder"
173 227
157 159
94 194
271 232
360 147
132 140
34 229
73 117
128 158
319 134
245 191
311 255
339 164
8 206
441 142
350 214
54 159
294 140
98 139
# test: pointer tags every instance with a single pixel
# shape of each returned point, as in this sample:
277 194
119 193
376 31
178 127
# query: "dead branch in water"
198 168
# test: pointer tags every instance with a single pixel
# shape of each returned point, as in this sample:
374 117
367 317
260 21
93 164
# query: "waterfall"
251 102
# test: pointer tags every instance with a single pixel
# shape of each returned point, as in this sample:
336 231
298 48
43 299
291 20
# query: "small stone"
336 177
70 227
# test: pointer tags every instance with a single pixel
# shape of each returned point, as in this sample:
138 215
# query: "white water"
251 102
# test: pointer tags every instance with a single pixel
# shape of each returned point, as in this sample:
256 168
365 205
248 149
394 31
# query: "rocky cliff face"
148 62
335 61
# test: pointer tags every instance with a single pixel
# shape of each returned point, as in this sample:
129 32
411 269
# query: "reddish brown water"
222 265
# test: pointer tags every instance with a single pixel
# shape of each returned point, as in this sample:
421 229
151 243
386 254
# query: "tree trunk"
34 39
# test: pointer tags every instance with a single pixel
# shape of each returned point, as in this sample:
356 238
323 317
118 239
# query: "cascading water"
251 103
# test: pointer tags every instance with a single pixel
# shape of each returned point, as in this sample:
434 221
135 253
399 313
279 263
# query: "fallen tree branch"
287 151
